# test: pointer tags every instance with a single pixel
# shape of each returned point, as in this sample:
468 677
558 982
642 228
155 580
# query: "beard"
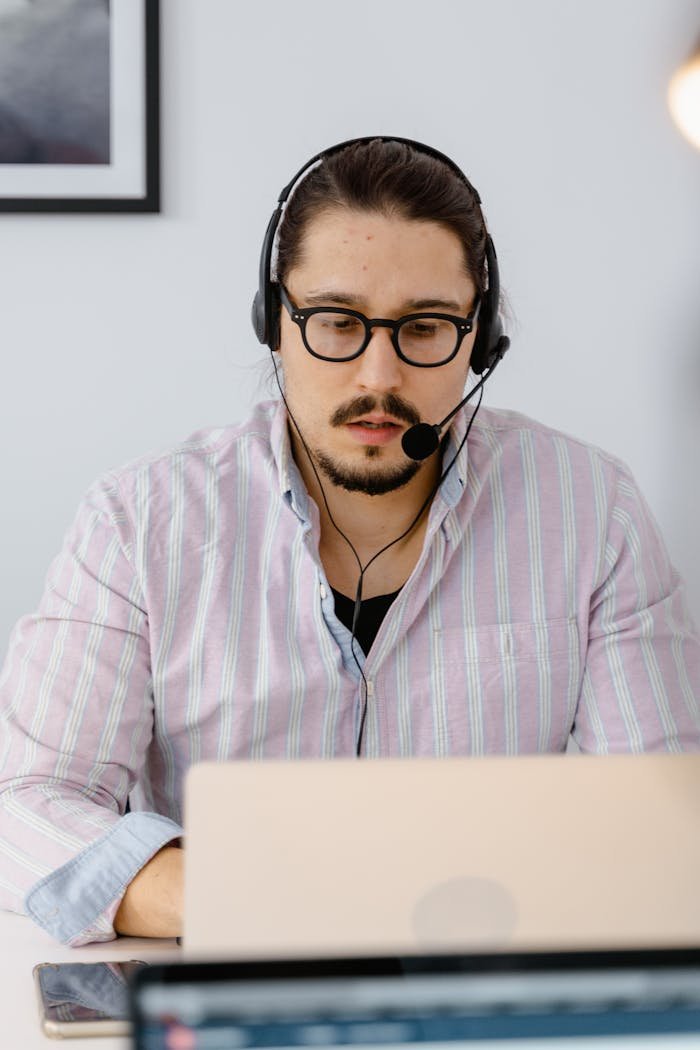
371 478
372 481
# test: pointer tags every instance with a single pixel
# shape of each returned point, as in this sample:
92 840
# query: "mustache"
362 406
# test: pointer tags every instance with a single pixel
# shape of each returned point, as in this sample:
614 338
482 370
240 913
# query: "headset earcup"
490 344
266 317
484 340
265 310
257 316
272 315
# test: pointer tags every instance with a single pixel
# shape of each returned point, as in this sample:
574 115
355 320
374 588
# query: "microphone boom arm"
421 440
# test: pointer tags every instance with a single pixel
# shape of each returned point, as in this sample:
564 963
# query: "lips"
374 431
375 421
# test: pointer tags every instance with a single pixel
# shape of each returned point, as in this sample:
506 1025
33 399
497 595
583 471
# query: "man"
299 586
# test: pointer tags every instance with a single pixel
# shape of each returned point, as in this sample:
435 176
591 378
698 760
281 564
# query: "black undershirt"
372 612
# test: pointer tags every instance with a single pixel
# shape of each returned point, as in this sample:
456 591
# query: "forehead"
346 244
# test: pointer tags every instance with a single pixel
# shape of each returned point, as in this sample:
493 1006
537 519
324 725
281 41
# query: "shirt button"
323 591
370 687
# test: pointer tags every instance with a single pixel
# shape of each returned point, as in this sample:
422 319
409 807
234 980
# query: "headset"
490 343
423 439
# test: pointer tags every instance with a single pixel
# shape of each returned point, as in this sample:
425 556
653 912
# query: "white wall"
123 334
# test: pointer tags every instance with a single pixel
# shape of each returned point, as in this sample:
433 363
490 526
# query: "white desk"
22 946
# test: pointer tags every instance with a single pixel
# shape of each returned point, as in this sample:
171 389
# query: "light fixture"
684 98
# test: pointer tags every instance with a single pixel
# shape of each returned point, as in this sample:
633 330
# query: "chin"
372 479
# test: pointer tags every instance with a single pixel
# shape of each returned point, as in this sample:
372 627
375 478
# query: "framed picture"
79 106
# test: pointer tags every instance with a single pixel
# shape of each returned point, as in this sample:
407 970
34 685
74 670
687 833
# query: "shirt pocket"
510 688
534 640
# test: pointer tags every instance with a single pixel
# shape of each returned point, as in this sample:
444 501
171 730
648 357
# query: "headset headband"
419 146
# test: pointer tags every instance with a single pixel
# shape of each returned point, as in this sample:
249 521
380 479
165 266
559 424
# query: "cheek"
310 392
293 358
446 393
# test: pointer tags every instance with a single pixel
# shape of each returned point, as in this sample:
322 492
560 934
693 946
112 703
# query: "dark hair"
390 178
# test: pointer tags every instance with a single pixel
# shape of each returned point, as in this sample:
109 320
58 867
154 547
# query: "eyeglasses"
425 340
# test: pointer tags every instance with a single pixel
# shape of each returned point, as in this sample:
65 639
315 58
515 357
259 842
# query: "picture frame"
125 177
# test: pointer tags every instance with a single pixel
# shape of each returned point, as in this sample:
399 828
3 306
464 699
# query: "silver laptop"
560 1001
346 858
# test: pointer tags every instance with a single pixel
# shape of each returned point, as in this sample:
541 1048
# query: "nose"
379 366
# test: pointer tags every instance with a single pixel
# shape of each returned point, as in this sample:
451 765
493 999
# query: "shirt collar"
455 483
291 483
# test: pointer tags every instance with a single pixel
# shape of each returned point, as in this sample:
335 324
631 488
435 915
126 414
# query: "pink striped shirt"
188 617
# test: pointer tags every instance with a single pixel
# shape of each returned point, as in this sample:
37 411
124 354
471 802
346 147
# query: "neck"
370 523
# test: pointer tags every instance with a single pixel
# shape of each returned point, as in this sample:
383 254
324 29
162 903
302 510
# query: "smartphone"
84 999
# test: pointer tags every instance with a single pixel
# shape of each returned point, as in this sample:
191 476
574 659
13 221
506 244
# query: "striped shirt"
188 617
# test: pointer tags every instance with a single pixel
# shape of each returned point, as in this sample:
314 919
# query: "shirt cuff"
77 902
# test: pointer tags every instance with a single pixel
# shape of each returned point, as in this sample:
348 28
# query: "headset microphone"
421 440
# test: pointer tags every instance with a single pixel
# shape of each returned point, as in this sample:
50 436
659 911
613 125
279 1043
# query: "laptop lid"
561 1001
398 856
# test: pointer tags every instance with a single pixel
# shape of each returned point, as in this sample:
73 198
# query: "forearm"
152 904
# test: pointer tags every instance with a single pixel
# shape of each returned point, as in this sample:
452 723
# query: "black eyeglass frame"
300 317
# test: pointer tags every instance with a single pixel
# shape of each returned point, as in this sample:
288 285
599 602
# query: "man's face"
352 414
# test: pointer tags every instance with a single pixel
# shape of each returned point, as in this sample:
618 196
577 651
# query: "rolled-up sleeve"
640 684
76 717
77 903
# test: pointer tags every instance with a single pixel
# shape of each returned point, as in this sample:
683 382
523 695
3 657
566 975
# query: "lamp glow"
684 99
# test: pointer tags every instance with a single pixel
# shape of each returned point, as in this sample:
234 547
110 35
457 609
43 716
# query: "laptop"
641 1000
432 856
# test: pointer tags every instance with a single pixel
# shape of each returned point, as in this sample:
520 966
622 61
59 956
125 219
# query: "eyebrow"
325 297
